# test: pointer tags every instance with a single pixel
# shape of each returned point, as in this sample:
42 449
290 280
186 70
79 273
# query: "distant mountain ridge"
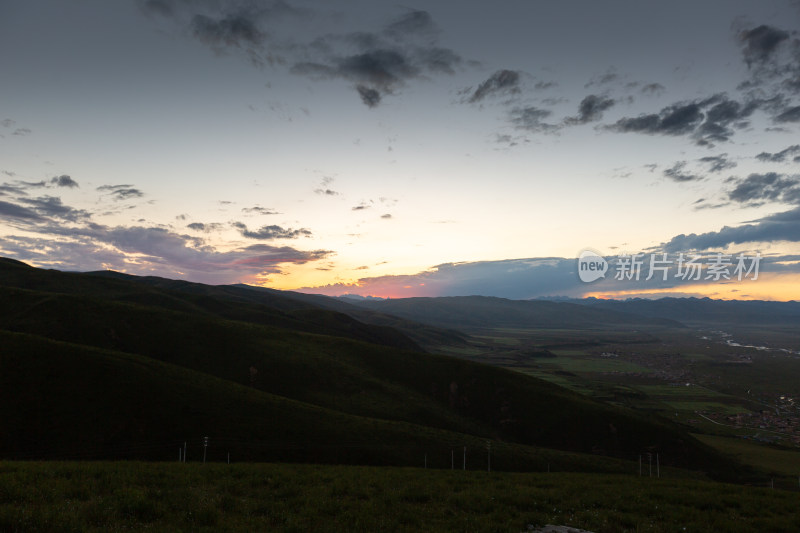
477 312
704 310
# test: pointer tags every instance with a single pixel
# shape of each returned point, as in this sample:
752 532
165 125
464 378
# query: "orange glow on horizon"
769 286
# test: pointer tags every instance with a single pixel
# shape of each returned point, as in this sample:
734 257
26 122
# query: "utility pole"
658 467
426 460
184 451
465 457
488 456
205 447
650 460
453 459
640 465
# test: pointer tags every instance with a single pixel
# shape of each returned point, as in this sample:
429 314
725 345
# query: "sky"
430 149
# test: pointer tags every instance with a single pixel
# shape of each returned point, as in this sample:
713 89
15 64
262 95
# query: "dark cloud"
52 207
7 122
653 88
20 188
717 163
602 79
791 114
778 227
197 226
9 210
779 157
271 232
706 121
773 59
530 119
760 44
326 192
121 192
672 120
21 132
64 181
370 97
501 82
384 61
544 85
386 216
676 173
415 22
377 63
758 189
258 210
514 278
360 207
232 30
590 109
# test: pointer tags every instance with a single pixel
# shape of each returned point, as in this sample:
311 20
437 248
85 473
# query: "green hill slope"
336 374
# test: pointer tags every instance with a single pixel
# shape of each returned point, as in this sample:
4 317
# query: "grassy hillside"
132 496
59 400
340 375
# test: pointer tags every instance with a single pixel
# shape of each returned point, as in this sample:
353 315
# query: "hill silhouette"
106 360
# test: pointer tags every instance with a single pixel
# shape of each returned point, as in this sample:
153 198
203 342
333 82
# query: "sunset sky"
375 148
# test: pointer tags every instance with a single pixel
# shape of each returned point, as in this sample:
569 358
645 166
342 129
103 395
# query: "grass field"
130 496
766 458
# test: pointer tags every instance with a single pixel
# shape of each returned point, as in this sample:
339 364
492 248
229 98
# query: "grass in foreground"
265 497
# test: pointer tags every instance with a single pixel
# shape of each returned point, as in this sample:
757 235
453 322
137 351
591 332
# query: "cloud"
64 181
370 97
676 173
383 61
706 121
514 278
761 43
779 157
590 109
501 82
386 216
360 207
718 163
602 79
22 132
238 30
52 207
378 62
9 210
773 59
197 226
791 114
778 227
271 232
415 22
530 119
653 89
758 189
121 192
258 210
